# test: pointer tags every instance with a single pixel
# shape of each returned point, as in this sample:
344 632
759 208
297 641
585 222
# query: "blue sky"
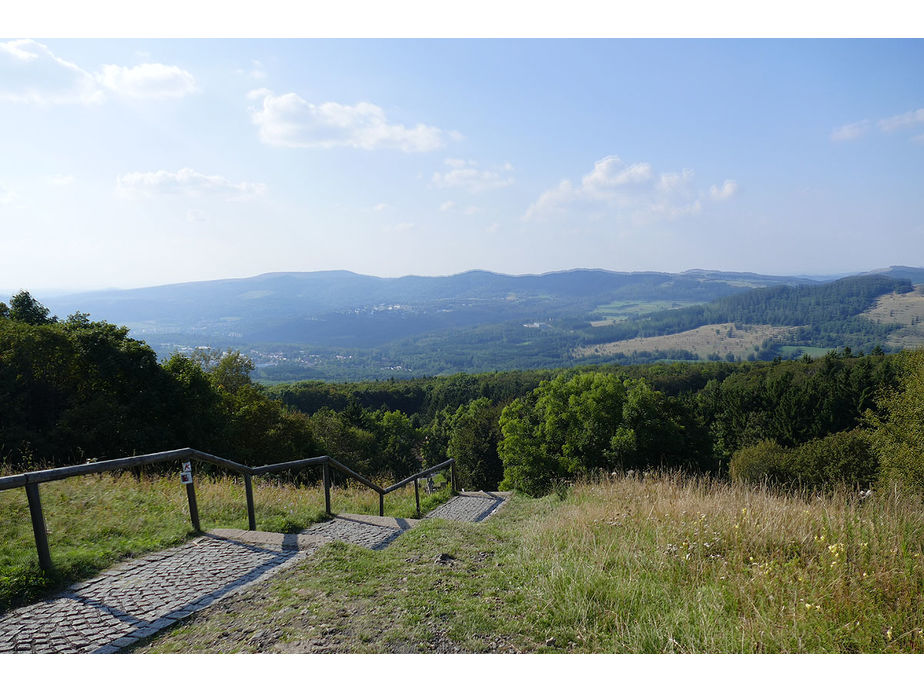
139 162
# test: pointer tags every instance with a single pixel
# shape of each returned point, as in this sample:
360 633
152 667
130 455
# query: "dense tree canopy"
78 388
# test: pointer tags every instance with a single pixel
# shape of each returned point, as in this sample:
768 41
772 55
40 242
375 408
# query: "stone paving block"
138 598
125 642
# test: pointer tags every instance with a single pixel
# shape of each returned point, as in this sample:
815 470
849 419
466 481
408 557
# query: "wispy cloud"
6 195
148 81
256 71
851 131
902 120
468 176
196 216
628 189
61 179
31 73
889 125
728 189
289 120
185 183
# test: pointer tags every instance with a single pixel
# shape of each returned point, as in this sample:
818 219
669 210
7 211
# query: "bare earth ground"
904 309
721 339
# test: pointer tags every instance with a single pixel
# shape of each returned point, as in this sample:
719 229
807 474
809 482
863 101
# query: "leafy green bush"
840 458
764 461
844 457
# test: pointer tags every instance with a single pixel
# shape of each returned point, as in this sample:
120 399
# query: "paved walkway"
137 598
470 506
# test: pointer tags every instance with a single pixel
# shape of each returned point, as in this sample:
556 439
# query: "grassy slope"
904 309
721 339
97 520
629 565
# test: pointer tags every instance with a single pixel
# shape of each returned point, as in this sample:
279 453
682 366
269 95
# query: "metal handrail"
31 481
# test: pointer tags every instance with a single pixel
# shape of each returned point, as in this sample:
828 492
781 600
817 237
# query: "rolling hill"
342 325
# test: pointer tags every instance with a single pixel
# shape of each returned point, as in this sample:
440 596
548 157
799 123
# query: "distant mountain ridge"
309 294
344 325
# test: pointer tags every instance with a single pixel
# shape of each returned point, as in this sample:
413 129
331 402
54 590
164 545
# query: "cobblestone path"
363 530
137 598
470 507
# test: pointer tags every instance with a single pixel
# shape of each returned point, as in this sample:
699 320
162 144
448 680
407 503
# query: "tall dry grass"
665 563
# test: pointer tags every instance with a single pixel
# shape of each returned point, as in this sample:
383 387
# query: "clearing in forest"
903 309
722 339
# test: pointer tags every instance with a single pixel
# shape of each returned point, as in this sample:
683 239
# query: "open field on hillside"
652 564
617 311
721 339
95 521
903 309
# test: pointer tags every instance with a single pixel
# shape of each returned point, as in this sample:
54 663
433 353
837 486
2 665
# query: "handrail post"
193 509
381 505
251 514
327 487
417 495
452 476
38 526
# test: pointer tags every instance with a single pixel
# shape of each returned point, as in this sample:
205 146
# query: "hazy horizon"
62 291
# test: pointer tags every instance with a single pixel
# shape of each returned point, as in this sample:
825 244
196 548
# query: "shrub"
846 457
840 458
765 461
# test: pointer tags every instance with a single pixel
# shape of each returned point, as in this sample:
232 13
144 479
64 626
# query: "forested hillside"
76 389
824 312
340 325
344 326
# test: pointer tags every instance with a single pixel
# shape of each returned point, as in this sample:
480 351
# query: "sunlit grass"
667 564
639 565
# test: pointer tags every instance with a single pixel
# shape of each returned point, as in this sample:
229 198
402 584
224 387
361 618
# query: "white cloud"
61 179
902 120
447 206
610 173
851 131
401 227
186 183
148 81
728 189
256 71
467 176
918 139
196 216
493 228
630 190
6 195
31 73
381 207
290 121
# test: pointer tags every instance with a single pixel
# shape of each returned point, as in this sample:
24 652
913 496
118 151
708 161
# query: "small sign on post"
186 477
187 466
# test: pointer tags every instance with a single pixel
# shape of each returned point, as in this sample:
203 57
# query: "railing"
31 481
